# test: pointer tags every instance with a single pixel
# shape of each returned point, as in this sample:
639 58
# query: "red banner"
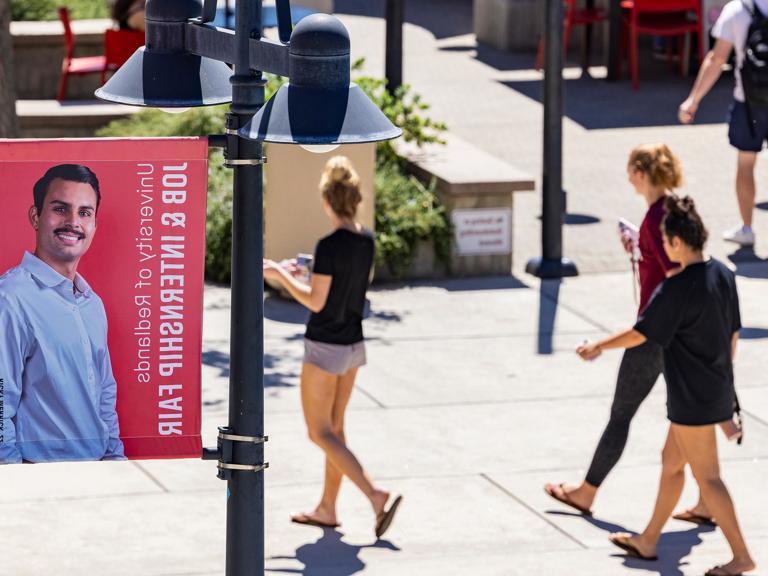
145 262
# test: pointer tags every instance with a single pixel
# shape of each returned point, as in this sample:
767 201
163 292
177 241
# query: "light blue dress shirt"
57 391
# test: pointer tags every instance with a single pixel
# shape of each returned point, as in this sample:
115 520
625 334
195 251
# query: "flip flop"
307 520
622 541
384 519
693 518
720 571
565 499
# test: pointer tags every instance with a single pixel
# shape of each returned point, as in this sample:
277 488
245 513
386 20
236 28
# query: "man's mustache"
67 230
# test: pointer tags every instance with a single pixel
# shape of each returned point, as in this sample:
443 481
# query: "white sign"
482 231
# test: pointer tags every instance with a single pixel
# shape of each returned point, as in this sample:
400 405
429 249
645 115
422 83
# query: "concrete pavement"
458 410
473 397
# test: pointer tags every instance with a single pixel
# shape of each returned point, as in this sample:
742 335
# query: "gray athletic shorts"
334 358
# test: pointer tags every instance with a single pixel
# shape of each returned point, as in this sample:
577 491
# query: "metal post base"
542 268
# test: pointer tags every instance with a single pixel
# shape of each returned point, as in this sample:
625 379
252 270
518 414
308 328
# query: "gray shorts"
334 358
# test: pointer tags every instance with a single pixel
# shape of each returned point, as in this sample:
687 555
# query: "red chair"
72 66
668 18
574 16
119 45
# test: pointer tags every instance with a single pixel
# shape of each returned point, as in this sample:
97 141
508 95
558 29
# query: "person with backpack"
743 26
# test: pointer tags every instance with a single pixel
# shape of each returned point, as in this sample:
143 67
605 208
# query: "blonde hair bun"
340 186
659 163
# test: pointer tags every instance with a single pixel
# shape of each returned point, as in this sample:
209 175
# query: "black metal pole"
393 67
586 46
552 264
245 495
614 36
552 236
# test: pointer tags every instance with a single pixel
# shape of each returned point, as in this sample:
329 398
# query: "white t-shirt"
733 26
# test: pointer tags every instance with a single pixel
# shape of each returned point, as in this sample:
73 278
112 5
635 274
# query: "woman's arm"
626 339
734 344
313 295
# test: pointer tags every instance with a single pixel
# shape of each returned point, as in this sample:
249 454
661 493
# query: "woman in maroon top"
654 171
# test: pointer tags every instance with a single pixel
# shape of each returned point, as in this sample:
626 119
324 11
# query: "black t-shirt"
347 256
693 315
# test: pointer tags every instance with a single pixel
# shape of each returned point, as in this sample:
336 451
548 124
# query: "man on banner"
57 391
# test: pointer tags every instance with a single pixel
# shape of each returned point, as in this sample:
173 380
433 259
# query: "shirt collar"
49 277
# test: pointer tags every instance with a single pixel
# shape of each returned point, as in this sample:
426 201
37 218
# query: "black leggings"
639 370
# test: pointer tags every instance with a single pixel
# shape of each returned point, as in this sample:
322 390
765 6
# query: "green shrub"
406 210
47 9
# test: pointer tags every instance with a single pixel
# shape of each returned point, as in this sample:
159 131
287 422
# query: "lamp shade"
163 74
306 115
168 80
319 104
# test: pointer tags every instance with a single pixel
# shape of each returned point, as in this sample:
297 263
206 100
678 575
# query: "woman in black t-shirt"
694 316
334 348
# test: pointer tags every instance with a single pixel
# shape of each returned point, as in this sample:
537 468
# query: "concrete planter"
517 24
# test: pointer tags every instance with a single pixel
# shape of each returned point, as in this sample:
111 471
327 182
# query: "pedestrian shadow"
549 295
329 556
748 264
672 547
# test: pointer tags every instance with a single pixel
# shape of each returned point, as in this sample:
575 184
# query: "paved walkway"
473 397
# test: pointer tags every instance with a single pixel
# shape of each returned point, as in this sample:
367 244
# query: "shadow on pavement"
672 547
443 18
580 219
459 284
283 310
753 333
329 556
748 264
596 104
762 205
549 295
220 360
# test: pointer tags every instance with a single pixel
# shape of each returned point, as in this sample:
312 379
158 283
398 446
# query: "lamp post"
551 264
393 64
183 65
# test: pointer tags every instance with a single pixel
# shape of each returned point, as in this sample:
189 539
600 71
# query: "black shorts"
739 134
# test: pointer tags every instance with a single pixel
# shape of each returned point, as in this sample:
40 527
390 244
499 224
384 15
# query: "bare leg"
318 395
699 446
333 476
745 185
670 489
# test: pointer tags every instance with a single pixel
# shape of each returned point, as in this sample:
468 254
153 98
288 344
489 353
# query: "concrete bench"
478 189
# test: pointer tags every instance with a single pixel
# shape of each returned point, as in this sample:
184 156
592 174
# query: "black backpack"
754 69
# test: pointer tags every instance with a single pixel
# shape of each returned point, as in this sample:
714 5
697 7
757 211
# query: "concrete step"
68 119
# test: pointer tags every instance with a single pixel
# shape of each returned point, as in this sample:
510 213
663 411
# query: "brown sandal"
693 518
565 499
622 541
307 520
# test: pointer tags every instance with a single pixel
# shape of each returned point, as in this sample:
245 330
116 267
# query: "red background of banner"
112 266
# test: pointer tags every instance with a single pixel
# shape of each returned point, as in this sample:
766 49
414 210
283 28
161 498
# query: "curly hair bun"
683 220
659 163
